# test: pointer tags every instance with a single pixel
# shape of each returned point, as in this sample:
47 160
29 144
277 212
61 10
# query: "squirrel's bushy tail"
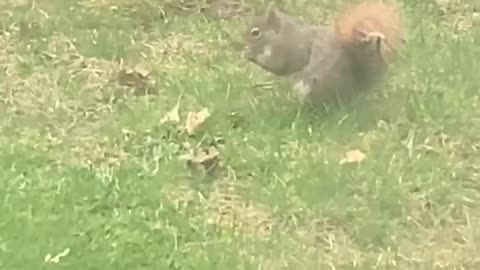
371 23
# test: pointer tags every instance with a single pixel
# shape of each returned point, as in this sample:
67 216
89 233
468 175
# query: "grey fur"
319 67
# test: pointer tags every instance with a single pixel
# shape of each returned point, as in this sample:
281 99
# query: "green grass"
87 164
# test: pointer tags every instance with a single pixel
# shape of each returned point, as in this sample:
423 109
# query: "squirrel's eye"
255 32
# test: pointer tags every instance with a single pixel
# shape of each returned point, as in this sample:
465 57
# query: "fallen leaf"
56 259
207 159
137 78
353 156
141 70
195 120
130 77
172 115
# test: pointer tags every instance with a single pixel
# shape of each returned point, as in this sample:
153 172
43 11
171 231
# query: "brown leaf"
208 159
172 116
141 70
353 156
137 78
195 120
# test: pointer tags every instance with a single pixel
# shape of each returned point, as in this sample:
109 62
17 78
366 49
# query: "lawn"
98 171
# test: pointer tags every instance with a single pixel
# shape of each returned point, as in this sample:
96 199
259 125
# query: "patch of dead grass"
445 246
458 13
439 247
14 3
211 8
170 53
226 209
113 4
93 72
94 151
452 244
8 58
57 106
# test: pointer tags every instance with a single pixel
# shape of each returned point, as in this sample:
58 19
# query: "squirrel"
327 61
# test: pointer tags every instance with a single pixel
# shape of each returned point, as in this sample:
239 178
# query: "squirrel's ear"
272 16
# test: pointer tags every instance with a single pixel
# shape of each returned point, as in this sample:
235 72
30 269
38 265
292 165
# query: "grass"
87 164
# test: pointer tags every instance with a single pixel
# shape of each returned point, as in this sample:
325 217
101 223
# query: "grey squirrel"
327 62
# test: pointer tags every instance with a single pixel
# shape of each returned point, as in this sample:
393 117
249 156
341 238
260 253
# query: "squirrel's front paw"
379 40
373 36
302 90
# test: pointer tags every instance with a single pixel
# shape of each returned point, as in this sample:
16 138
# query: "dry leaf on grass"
208 159
195 120
56 259
172 115
141 70
133 77
353 156
138 78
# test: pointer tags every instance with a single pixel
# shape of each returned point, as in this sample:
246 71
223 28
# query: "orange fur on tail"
368 21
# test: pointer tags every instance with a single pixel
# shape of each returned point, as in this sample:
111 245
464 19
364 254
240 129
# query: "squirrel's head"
261 34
